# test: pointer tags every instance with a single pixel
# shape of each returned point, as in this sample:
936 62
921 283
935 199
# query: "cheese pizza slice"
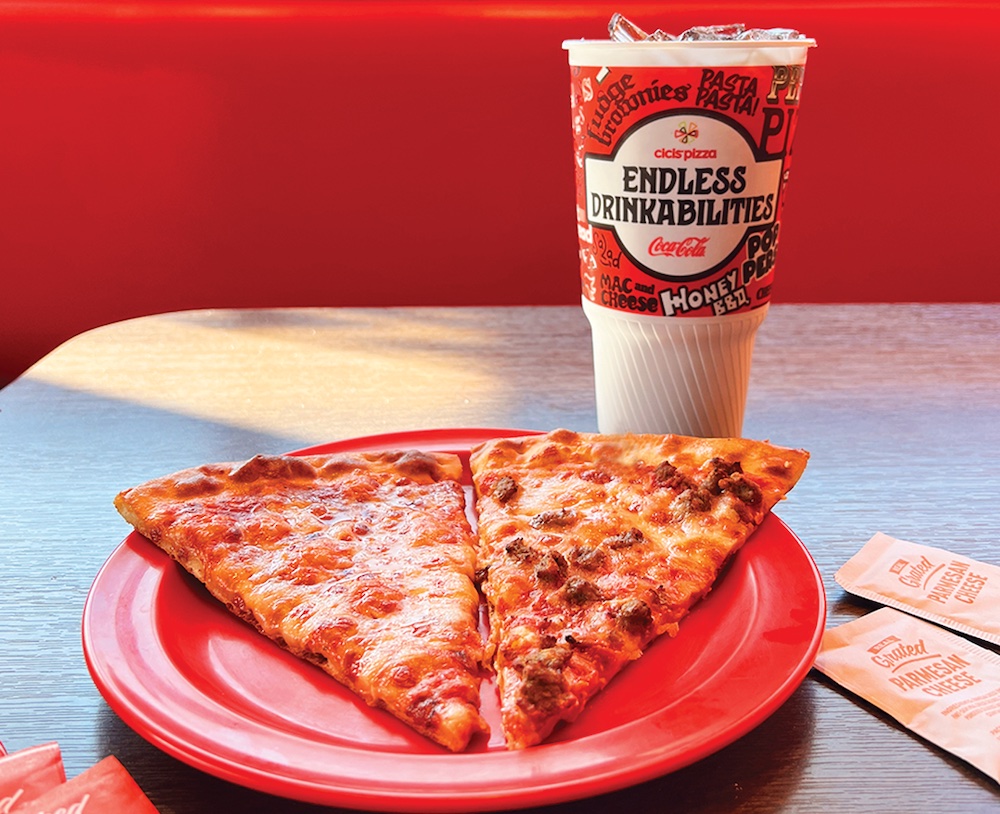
591 546
360 563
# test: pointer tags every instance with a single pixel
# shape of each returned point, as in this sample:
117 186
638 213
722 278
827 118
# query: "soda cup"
682 148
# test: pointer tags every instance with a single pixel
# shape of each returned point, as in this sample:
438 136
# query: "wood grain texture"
898 405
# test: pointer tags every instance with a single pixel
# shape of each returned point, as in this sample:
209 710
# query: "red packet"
104 787
28 773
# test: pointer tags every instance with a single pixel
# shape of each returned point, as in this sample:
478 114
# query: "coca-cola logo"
688 247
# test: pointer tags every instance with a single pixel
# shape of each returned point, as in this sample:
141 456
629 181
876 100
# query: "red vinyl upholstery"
176 154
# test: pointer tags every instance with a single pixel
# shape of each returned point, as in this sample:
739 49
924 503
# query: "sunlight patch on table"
280 378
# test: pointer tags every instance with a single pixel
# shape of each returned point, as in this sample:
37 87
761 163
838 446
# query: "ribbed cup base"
685 375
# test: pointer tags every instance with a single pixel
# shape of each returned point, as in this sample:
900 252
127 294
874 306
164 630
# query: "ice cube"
731 31
771 34
622 29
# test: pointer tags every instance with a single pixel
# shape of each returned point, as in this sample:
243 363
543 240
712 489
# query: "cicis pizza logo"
686 132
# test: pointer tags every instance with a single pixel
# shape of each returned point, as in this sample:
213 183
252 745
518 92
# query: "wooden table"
899 405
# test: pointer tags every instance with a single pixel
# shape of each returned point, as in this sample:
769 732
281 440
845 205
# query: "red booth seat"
170 155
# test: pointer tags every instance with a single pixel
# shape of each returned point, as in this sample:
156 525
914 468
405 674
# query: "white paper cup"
682 153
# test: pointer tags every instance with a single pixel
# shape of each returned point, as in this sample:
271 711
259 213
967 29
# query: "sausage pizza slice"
361 563
592 546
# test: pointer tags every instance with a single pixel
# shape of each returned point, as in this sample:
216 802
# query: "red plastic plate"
206 688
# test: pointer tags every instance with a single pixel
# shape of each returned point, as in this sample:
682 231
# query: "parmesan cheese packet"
931 583
940 686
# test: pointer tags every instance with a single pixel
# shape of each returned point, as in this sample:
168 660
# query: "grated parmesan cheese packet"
940 686
952 590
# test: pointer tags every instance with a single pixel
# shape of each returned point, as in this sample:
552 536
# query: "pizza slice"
361 563
591 546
